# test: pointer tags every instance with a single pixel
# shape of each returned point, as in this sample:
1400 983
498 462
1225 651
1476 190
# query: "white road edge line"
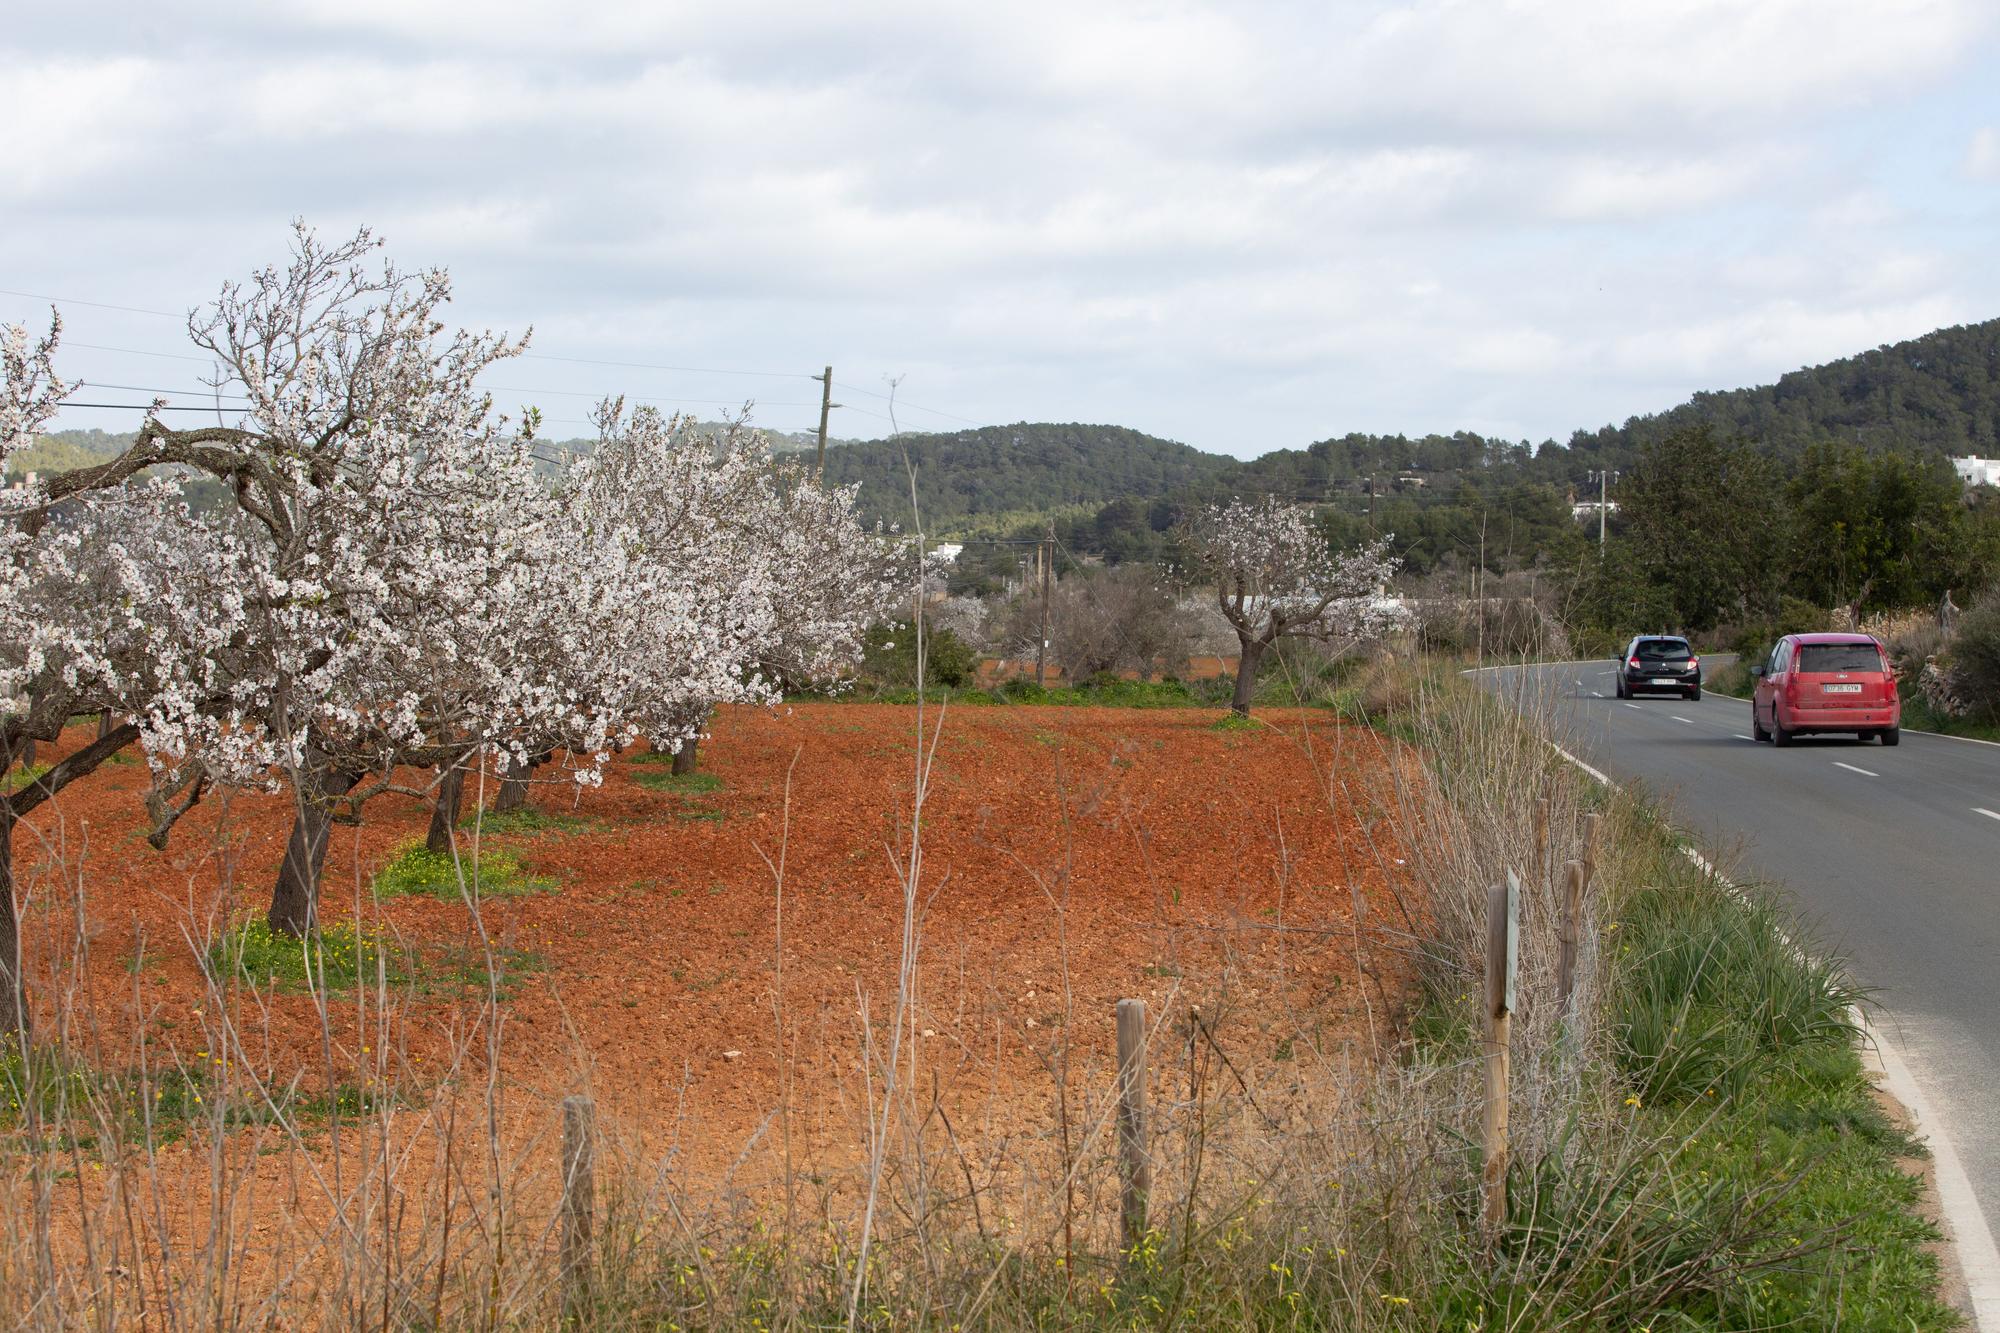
1982 810
1852 769
1741 737
1964 1223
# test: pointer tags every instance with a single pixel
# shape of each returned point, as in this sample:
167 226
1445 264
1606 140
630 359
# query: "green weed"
496 872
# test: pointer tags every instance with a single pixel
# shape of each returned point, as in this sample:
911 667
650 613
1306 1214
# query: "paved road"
1894 853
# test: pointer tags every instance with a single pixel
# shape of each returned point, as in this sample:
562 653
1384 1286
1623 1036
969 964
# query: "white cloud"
1982 157
1409 216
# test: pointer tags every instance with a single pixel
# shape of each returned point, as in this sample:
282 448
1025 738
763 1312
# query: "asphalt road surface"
1894 854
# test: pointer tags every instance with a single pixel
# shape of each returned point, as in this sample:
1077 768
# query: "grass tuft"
419 872
334 957
23 778
527 821
686 784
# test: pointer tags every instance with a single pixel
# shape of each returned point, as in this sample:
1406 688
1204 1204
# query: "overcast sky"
1245 226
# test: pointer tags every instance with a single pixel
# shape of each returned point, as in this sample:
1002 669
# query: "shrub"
889 657
1975 658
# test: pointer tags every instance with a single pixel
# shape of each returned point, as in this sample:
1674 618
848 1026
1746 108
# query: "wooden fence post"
1572 931
1137 1166
579 1204
1503 936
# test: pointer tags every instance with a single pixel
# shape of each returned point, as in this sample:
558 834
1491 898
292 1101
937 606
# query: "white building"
1977 471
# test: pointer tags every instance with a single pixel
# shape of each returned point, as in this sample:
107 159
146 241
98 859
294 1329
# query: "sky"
1244 226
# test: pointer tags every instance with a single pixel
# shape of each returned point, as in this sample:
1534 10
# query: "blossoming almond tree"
356 609
712 573
1276 576
76 615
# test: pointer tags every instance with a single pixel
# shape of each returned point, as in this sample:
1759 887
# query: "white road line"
1678 718
1741 737
1852 769
1965 1221
1982 810
1631 705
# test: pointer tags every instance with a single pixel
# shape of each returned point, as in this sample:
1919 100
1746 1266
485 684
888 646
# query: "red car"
1815 683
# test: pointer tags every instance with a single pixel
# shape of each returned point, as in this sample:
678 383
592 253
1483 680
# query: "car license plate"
1665 680
1841 689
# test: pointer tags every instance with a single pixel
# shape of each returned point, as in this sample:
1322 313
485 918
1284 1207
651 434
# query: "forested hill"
1938 394
999 469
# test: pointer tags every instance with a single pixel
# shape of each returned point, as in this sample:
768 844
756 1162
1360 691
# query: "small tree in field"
1275 576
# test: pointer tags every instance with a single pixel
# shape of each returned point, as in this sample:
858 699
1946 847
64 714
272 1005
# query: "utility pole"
1045 560
826 404
1604 476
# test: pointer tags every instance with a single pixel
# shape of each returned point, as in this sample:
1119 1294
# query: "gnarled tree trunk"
1246 674
687 756
444 812
514 784
295 897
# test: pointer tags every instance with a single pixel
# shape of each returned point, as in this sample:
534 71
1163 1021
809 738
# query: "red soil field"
1071 856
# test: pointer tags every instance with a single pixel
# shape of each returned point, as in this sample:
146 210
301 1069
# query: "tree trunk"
1246 676
27 753
444 812
104 724
685 757
295 897
13 986
514 785
83 762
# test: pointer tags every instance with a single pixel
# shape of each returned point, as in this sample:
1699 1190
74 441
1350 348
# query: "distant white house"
1977 471
947 552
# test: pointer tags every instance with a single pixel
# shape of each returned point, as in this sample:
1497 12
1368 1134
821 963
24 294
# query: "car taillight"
1694 663
1633 663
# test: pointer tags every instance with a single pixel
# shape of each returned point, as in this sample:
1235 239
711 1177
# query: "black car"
1659 664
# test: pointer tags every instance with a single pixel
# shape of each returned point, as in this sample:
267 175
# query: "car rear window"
1824 657
1658 648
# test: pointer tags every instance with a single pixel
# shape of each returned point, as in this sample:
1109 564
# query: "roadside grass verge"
1720 1160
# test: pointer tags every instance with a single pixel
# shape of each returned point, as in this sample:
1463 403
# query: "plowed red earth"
1070 857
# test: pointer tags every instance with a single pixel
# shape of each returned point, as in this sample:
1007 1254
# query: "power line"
915 407
525 356
95 305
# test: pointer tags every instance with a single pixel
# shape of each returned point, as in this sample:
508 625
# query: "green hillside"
1938 394
1025 468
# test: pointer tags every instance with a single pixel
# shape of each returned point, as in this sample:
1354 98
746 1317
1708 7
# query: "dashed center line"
1631 705
1862 771
1741 737
1982 810
1678 718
